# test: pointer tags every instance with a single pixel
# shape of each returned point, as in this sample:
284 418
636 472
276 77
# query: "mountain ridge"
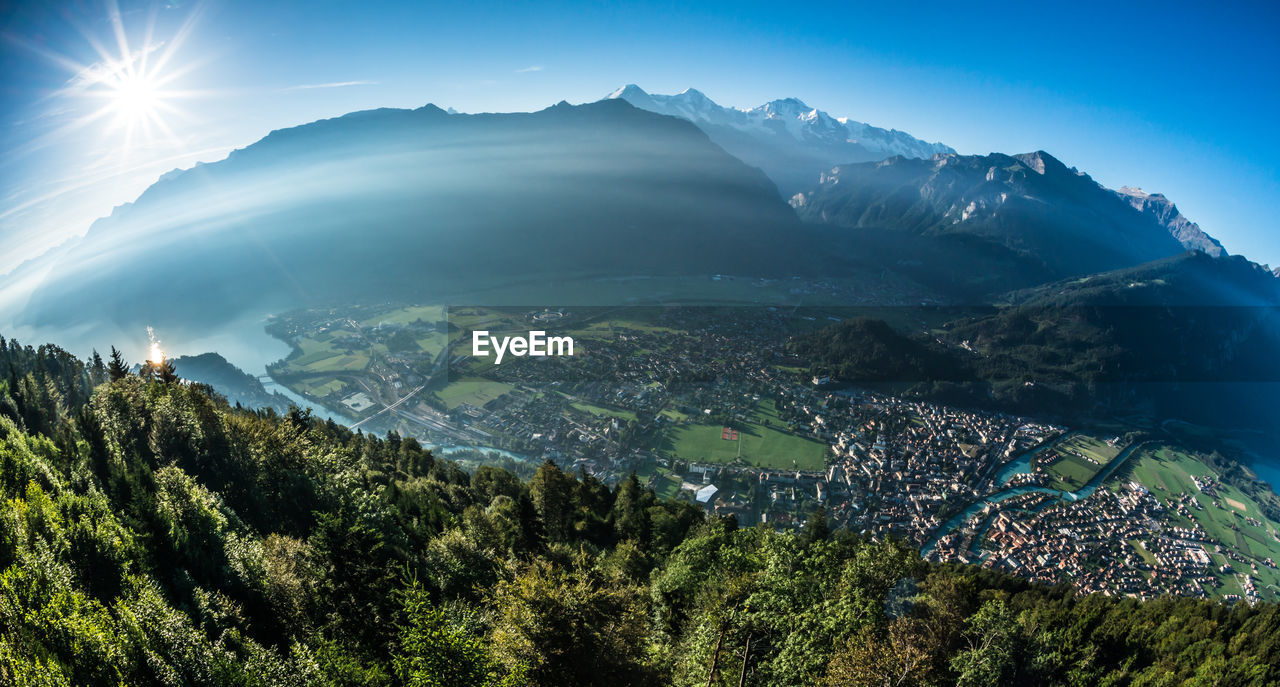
1044 220
387 199
791 141
1188 233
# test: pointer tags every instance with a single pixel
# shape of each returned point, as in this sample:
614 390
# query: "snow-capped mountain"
792 142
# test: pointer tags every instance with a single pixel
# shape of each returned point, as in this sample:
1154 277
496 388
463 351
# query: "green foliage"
990 658
437 651
568 626
151 534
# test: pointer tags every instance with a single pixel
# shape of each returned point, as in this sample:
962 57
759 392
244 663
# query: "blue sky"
1178 98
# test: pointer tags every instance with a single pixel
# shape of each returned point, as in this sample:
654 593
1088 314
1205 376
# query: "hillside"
395 204
157 536
230 381
984 224
1191 337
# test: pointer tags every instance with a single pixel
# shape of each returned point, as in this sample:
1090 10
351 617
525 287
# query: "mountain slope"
1011 220
411 203
230 381
1166 213
1190 337
155 535
792 142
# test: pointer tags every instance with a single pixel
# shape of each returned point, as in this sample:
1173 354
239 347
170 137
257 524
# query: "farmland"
1225 513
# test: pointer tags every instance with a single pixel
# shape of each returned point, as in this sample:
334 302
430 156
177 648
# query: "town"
710 405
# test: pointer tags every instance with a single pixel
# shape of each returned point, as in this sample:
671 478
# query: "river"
1022 464
442 450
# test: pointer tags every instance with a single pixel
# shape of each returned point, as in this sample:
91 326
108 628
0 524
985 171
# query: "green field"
407 315
1072 472
1167 472
1091 447
673 415
608 329
660 479
1143 552
761 445
433 343
600 410
473 390
319 386
466 320
666 485
321 354
482 318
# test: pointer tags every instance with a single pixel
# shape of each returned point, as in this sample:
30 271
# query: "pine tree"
118 369
552 494
97 370
164 372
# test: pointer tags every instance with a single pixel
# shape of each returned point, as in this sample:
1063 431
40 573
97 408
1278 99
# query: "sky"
98 99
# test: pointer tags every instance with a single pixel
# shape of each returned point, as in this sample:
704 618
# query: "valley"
709 404
417 344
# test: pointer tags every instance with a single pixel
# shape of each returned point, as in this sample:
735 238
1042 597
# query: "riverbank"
1084 492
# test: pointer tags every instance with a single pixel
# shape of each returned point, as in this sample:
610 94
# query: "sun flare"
135 97
133 85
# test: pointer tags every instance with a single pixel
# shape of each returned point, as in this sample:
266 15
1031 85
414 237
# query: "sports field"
665 484
758 444
673 415
1082 457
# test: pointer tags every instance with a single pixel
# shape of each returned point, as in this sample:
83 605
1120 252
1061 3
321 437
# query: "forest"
155 534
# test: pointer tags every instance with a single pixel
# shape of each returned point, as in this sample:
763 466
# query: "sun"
132 85
135 98
157 353
134 94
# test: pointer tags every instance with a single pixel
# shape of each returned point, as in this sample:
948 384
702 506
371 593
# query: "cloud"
530 68
334 84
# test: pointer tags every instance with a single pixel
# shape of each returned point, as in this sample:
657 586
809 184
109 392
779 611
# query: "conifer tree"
164 372
117 368
97 370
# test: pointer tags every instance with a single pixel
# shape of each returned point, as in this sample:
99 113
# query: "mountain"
1191 337
992 222
1163 210
792 142
235 384
421 203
